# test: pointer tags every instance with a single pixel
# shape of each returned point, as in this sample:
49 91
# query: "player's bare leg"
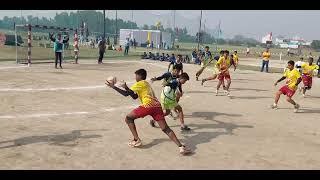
166 129
295 105
136 142
218 86
209 78
228 86
276 100
181 117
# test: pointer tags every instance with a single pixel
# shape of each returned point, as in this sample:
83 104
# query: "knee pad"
167 130
129 120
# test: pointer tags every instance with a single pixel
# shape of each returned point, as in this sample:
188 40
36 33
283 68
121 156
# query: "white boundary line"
13 67
66 113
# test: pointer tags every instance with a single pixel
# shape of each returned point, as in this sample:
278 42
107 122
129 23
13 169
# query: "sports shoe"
134 143
303 95
296 108
185 128
217 92
152 124
197 78
184 150
228 93
202 81
274 106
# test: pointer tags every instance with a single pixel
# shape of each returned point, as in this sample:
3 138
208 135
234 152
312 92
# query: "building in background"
144 37
292 43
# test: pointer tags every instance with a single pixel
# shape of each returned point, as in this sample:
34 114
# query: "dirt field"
68 119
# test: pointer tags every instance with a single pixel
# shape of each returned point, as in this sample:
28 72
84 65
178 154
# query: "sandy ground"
68 119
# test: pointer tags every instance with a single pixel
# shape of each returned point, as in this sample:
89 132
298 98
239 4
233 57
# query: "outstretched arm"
125 92
281 79
298 81
65 41
51 37
165 75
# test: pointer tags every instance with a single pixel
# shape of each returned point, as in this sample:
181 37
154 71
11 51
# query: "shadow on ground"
194 138
58 139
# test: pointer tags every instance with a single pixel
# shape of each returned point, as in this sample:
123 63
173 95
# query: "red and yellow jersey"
145 93
308 69
223 64
292 78
266 56
236 58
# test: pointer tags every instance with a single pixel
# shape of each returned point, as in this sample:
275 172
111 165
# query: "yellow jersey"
308 69
145 93
223 63
236 58
266 56
292 78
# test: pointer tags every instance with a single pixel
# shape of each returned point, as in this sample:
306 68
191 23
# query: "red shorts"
287 91
155 112
307 80
223 76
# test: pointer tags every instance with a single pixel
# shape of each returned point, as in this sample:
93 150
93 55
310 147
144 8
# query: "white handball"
112 80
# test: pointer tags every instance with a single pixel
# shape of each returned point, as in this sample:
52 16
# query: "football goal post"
33 44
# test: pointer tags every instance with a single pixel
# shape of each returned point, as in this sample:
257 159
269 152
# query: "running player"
215 71
178 64
205 59
168 96
149 106
307 74
293 79
235 60
223 66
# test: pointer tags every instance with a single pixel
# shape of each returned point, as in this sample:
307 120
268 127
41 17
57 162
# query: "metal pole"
15 35
116 27
199 31
174 27
104 24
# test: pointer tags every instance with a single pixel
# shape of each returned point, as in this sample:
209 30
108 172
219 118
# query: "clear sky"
251 23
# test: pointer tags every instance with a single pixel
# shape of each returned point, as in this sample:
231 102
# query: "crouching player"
149 106
293 79
170 95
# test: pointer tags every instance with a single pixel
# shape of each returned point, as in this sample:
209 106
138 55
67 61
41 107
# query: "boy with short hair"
307 74
293 80
149 106
223 66
169 100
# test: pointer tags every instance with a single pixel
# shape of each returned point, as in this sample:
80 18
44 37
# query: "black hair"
291 62
142 73
222 52
226 51
236 51
184 76
179 55
207 47
172 54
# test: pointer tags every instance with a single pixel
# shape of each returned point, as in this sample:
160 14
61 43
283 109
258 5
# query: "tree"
315 44
146 27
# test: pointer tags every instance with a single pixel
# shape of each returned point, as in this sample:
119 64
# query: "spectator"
265 60
120 49
126 47
151 45
150 55
167 57
318 63
102 49
108 41
162 57
134 43
157 56
144 56
248 51
187 59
